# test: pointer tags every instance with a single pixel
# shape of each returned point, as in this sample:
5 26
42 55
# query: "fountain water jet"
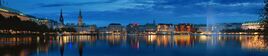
211 22
211 29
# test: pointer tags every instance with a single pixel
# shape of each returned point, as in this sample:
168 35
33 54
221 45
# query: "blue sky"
103 12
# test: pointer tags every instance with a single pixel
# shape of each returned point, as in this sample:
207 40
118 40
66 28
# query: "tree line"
14 23
265 18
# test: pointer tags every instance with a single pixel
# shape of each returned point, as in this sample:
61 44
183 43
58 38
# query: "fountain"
211 22
211 29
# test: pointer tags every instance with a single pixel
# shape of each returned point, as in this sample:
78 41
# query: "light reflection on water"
141 45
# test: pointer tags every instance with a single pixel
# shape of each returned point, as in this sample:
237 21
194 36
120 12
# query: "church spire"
61 17
80 13
80 18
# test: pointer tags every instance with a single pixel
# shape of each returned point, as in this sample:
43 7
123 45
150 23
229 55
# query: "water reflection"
86 44
255 42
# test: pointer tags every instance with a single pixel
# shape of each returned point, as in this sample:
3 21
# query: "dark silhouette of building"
150 28
61 19
133 28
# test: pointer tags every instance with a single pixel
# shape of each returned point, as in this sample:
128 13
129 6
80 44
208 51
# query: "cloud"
109 5
74 4
220 15
229 5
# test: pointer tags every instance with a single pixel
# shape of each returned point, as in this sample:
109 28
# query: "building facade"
133 28
92 29
150 28
184 28
165 29
115 28
254 25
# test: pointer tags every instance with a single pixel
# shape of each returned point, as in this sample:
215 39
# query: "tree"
2 18
14 23
265 17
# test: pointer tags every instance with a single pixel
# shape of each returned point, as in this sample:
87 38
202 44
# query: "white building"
254 25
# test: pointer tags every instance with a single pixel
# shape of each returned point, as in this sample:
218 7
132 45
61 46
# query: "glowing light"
254 43
203 38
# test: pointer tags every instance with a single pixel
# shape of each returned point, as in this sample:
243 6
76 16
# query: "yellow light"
256 33
203 38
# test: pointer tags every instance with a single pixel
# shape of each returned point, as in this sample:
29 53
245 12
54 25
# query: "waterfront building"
92 29
142 29
133 28
70 25
165 29
103 30
124 30
8 12
51 24
115 28
184 28
231 26
150 28
200 28
253 25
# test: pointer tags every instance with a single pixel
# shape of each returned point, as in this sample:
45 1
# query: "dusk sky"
103 12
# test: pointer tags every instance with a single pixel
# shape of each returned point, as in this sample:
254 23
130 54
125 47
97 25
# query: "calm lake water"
133 45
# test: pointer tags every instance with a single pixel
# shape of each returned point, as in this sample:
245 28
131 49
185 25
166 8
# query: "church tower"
80 19
80 22
61 19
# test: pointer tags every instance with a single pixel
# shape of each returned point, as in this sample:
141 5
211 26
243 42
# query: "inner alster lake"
135 45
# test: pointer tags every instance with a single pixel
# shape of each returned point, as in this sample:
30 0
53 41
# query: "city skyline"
104 12
134 27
